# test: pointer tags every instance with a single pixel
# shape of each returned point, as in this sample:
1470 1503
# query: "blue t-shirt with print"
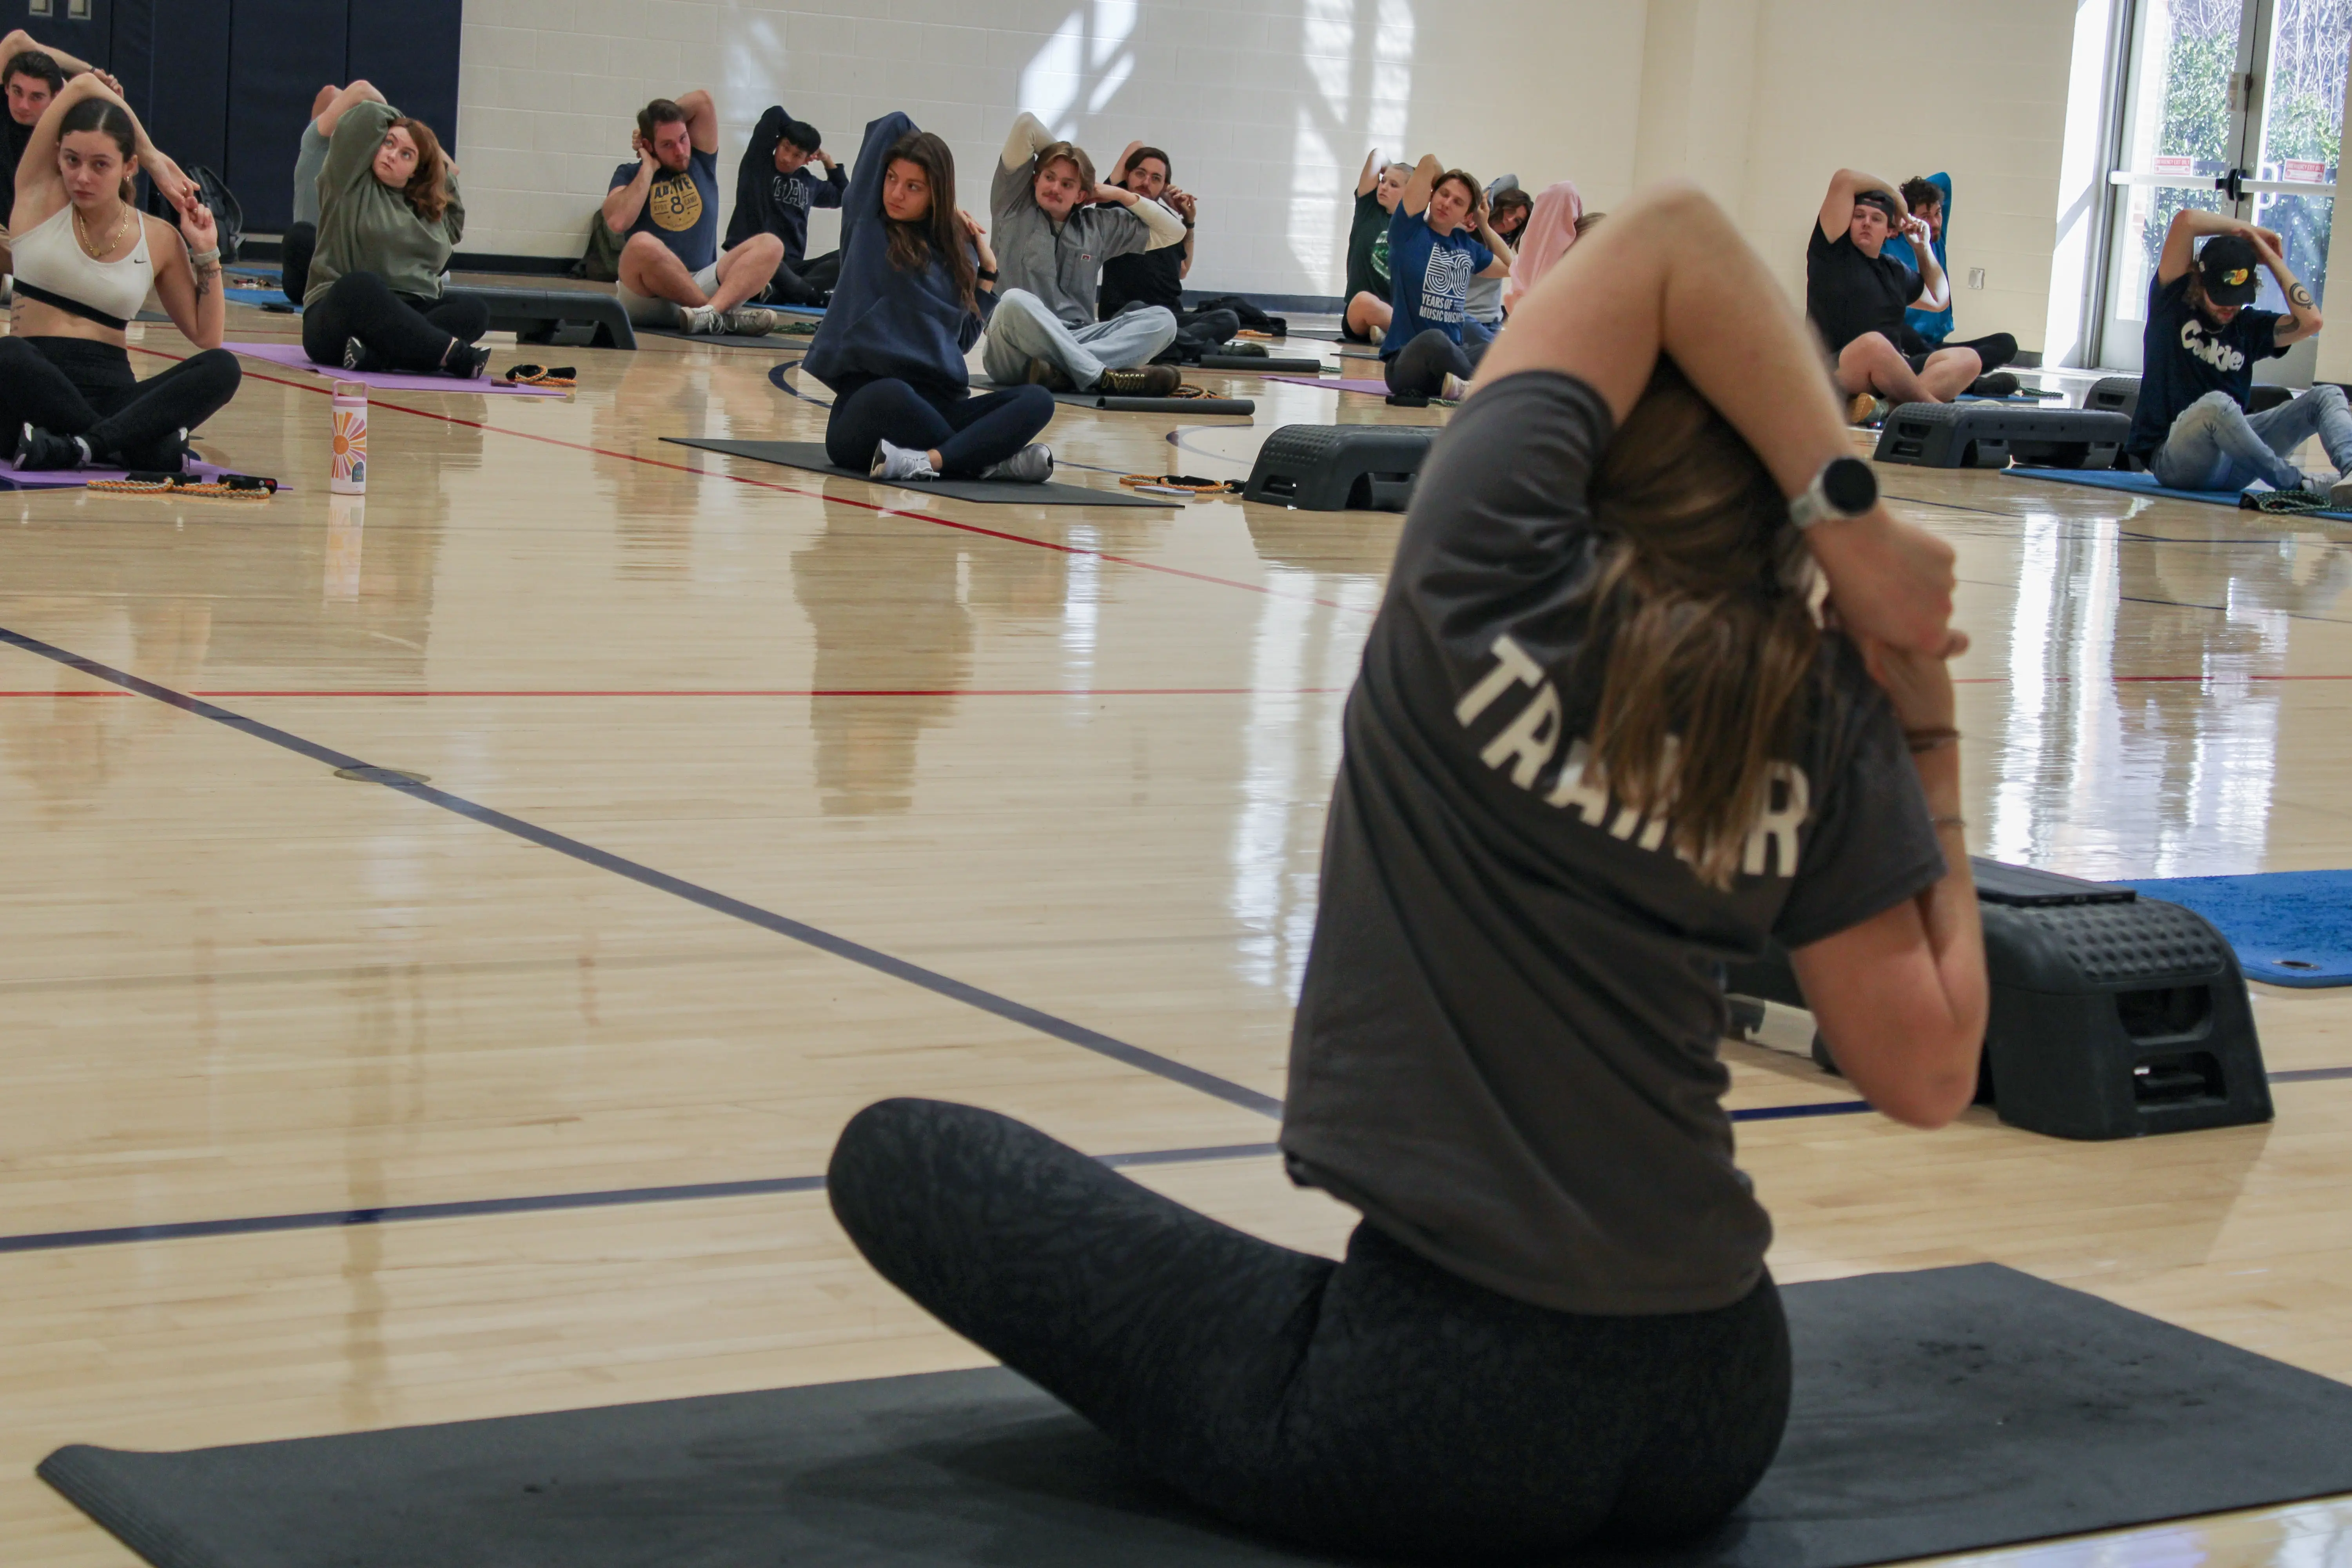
2182 358
681 208
1429 280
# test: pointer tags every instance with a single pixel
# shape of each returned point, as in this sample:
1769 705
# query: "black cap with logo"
2226 266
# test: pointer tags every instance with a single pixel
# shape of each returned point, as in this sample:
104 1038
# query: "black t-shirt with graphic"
1504 1051
2182 358
1848 293
681 208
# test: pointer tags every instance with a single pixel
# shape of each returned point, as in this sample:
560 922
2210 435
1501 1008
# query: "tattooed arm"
2302 320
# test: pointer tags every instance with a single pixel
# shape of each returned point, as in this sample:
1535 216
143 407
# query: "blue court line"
677 887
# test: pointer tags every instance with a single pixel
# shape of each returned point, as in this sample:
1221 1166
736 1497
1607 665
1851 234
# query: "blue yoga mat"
2289 928
260 297
2146 484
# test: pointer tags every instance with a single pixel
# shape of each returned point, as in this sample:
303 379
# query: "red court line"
796 490
783 691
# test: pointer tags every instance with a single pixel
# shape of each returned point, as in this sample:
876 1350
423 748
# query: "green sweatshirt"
366 225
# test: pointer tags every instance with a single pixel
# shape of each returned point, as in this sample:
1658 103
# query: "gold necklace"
82 234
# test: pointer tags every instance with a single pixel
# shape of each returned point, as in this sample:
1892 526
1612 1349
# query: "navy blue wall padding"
281 53
89 40
173 59
409 50
228 83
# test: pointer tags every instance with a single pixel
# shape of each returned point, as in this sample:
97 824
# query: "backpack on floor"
601 262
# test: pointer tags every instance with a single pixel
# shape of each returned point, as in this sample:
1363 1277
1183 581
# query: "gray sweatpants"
1024 329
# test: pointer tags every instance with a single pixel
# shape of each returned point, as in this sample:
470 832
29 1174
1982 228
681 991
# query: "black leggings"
1992 352
74 386
802 285
969 433
1421 366
294 251
1380 1404
396 331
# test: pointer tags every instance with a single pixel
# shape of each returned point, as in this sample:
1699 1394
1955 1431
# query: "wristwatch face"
1849 486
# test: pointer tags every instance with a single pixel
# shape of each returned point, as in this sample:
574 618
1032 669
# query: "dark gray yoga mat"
1268 363
1950 1410
810 455
1109 404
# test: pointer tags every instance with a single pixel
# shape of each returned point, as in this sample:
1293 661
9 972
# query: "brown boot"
1859 408
1146 381
1051 376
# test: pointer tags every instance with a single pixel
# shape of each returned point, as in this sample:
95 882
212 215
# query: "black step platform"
2113 1015
1341 467
1992 435
583 318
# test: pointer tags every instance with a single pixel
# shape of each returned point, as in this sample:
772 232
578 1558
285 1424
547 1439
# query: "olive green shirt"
366 225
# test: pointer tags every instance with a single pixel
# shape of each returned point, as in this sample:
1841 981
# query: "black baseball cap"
2227 265
1878 199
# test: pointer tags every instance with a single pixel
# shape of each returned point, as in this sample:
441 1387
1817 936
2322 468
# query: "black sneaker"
2000 383
37 450
467 362
354 354
167 454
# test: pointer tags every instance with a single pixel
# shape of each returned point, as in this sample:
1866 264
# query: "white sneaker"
2339 495
750 321
1033 465
900 464
698 319
1455 388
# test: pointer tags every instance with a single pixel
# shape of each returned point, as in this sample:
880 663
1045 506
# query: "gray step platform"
1992 435
584 317
2120 395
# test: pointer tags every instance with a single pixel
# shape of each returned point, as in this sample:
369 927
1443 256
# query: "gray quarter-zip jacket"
1062 263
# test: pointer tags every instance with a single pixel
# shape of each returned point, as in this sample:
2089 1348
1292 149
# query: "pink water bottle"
348 476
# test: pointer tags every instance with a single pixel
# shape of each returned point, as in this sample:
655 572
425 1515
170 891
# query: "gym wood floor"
755 796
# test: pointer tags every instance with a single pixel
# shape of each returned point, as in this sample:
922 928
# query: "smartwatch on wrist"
1845 488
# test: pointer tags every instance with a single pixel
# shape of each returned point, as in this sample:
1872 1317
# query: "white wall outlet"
1976 276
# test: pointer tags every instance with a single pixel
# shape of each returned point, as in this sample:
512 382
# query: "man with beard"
2197 367
673 274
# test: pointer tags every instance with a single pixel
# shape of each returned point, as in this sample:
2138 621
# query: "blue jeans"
2216 445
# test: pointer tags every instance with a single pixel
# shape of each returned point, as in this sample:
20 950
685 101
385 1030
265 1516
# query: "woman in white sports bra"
85 260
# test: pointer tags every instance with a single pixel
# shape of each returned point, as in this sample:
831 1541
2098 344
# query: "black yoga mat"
1950 1410
810 455
1110 405
1269 364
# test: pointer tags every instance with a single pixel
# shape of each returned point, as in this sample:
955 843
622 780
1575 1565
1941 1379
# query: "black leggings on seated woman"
1421 366
1382 1404
396 331
969 433
78 387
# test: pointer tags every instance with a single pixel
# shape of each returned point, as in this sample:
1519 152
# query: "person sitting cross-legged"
1378 190
774 191
1855 296
673 274
1155 277
1052 240
2203 337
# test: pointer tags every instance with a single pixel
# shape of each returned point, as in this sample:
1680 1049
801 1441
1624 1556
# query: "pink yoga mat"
291 356
1369 388
68 479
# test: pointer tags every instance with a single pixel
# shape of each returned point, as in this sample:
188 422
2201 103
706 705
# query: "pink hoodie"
1550 229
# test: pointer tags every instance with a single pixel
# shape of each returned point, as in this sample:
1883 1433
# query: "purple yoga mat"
291 356
1369 388
68 479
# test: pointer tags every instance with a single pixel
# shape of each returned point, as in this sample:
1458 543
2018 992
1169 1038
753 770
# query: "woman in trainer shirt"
1600 744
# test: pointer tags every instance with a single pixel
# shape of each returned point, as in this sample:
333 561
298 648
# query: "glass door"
2233 106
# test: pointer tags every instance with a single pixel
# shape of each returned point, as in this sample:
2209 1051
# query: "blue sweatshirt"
882 321
1934 326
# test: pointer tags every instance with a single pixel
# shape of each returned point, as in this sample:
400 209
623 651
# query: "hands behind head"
172 184
971 225
1918 685
1183 204
1916 230
1118 194
641 147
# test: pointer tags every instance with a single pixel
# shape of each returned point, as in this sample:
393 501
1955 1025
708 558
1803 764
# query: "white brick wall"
1266 106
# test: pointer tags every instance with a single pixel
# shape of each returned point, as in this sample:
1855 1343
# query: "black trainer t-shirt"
1848 293
1505 1053
2182 358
